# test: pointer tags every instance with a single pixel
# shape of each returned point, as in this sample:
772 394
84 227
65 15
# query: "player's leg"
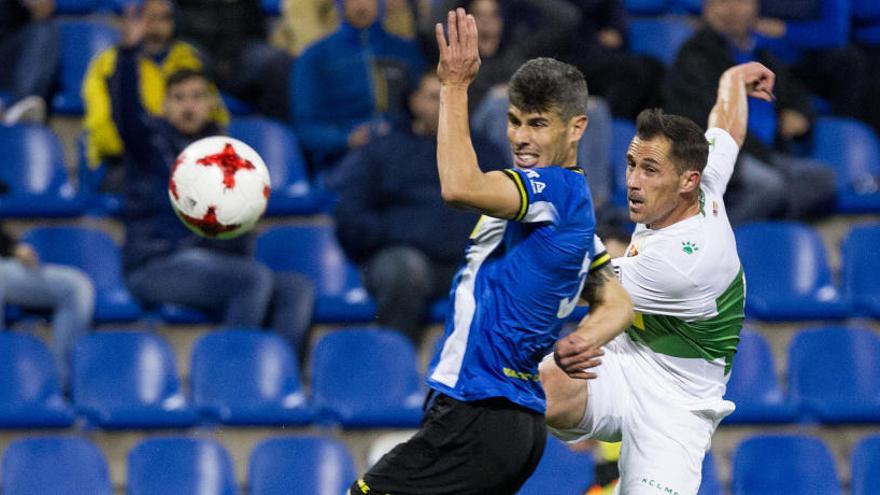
566 397
462 448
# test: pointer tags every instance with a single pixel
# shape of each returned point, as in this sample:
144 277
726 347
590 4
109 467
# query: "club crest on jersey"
632 251
689 247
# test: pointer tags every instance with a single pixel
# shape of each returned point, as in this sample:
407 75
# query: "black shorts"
486 447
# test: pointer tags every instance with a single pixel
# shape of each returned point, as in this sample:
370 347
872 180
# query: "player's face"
361 13
188 105
539 139
158 24
653 183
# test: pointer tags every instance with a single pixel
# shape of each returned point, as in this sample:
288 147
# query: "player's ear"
690 181
577 126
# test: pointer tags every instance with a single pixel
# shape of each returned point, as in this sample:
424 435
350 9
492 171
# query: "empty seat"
345 390
784 465
55 466
180 466
560 470
313 251
709 484
75 6
280 149
34 172
301 465
860 269
95 253
80 41
852 148
787 273
29 393
754 386
659 37
247 377
866 466
834 375
128 380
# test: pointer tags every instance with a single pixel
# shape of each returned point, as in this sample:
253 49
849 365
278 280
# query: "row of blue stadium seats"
786 265
128 379
765 464
39 186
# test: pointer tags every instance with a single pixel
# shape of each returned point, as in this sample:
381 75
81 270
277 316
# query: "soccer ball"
219 187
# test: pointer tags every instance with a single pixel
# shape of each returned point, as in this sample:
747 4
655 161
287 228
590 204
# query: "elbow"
453 195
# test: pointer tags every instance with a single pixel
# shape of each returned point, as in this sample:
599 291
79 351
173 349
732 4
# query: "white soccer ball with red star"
219 187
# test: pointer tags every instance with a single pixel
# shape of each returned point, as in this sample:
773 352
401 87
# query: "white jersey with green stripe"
688 289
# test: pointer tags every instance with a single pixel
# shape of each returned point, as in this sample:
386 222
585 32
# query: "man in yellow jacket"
161 55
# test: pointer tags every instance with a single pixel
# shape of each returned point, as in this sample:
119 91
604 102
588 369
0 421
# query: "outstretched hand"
459 55
575 355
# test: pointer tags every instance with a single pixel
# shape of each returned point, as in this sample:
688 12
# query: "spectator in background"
347 88
163 261
65 291
627 81
812 37
30 48
767 183
392 221
231 35
511 34
160 56
306 21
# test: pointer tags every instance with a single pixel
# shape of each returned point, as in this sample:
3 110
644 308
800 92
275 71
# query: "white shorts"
662 442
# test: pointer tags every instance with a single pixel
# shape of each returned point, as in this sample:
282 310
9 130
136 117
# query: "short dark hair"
182 75
689 149
545 84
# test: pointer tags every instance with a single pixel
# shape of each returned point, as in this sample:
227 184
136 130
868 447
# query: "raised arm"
731 110
462 182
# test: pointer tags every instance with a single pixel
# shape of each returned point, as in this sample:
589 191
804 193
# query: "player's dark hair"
546 84
182 75
688 150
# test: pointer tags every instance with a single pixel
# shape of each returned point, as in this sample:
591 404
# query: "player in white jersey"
660 385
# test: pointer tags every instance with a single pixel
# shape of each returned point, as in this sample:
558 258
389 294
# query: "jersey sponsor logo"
537 187
661 488
521 375
689 247
711 144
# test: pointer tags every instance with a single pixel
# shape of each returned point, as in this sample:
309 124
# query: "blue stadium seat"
343 393
80 41
280 149
79 7
783 465
646 7
710 484
866 466
834 375
180 466
622 132
94 252
55 466
247 377
852 148
659 37
561 470
34 171
313 465
754 386
30 396
271 7
866 22
787 273
128 380
314 252
860 269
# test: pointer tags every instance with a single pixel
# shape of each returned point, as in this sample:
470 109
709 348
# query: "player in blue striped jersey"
527 264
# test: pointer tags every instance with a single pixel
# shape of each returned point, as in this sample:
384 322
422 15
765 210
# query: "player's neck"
682 211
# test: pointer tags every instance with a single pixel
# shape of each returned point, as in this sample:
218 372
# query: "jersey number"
567 304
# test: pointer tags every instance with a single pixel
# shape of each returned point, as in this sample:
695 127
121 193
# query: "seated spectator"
767 183
812 36
305 21
231 35
391 220
161 55
627 81
511 34
64 291
163 261
347 88
30 49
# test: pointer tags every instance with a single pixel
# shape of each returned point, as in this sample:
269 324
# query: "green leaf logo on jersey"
711 145
689 247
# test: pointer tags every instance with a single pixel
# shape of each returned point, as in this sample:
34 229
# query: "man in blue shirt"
528 262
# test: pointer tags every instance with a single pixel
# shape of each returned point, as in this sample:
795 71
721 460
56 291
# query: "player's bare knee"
566 397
